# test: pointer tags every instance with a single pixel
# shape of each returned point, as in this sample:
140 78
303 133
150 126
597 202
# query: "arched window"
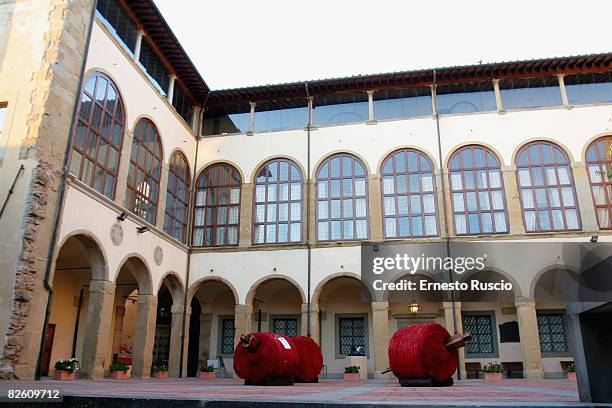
477 188
145 171
342 199
599 163
177 197
546 188
98 134
278 203
217 206
409 199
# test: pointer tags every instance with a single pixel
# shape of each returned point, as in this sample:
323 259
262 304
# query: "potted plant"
570 372
66 369
208 373
492 371
119 371
351 373
160 371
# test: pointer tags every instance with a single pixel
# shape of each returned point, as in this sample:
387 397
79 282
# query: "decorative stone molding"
158 255
116 234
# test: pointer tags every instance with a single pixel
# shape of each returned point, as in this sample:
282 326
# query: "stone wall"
55 86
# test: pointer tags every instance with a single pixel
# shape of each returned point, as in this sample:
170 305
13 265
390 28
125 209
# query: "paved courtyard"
469 392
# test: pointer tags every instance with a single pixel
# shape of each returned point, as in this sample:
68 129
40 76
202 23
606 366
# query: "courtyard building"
147 218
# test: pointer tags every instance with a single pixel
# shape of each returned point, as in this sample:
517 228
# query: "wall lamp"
594 238
123 216
142 230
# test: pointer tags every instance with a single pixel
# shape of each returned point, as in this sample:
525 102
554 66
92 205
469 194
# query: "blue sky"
238 43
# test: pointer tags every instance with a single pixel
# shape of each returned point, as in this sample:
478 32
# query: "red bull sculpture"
425 355
274 359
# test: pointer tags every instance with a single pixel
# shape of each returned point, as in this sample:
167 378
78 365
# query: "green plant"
571 368
492 368
160 367
119 367
351 369
70 366
207 369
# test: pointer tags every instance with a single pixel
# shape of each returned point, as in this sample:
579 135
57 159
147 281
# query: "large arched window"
98 133
599 163
546 188
409 199
342 199
278 203
177 197
217 206
145 171
477 188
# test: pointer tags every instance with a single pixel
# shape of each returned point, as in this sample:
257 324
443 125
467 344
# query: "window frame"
275 317
119 104
277 202
174 195
214 226
568 342
541 164
461 170
341 197
134 188
366 334
494 336
221 319
603 184
395 194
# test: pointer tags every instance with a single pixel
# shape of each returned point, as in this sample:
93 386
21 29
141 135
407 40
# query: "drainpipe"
61 200
308 247
190 236
444 207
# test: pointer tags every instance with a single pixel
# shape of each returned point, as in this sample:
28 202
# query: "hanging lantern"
414 308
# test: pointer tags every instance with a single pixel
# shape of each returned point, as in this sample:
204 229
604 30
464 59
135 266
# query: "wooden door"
44 370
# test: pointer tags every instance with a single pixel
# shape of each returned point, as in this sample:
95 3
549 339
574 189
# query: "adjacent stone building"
147 218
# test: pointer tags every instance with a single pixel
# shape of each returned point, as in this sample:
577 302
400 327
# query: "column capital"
449 305
380 306
314 307
178 309
243 309
101 286
146 298
524 301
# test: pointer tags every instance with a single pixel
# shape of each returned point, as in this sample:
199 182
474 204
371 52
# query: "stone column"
251 119
124 168
585 199
144 335
371 118
513 201
243 321
564 97
186 342
170 93
161 198
530 338
246 215
314 321
380 327
450 326
176 331
498 98
97 328
375 204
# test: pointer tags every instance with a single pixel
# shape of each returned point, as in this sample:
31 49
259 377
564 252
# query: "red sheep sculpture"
266 359
311 359
424 355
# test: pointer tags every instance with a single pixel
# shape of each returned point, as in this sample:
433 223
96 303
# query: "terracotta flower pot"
210 375
571 376
63 375
160 374
493 376
351 377
119 375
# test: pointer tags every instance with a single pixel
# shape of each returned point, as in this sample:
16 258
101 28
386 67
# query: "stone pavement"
371 392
